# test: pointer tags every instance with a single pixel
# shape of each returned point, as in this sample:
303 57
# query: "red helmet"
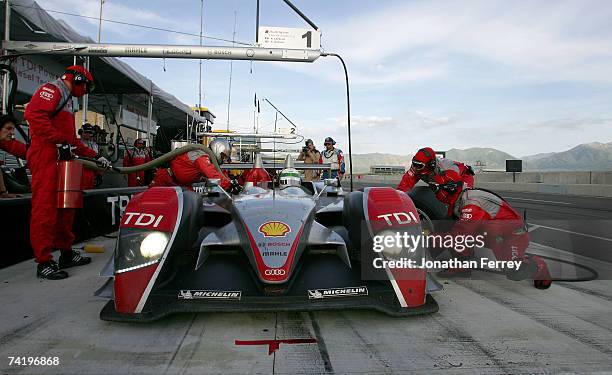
447 186
424 161
81 78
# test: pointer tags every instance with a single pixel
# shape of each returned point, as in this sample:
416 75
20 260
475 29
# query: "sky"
524 77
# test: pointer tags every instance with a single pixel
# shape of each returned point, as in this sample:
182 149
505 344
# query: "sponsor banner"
210 294
337 292
33 71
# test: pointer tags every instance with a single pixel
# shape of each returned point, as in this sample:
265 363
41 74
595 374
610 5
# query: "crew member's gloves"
64 152
103 162
434 187
235 187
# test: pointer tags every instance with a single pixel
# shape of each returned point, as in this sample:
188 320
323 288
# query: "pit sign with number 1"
289 37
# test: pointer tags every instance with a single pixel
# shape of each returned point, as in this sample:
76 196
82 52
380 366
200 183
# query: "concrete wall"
593 184
562 178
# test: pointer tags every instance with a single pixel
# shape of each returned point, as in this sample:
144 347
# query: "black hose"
89 163
10 100
594 274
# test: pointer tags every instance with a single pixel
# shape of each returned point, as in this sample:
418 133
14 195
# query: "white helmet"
289 177
221 148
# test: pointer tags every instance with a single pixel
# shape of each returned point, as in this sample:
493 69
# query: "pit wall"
589 184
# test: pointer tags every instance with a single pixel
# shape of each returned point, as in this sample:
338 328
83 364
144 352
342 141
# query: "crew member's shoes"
450 273
542 278
72 259
51 271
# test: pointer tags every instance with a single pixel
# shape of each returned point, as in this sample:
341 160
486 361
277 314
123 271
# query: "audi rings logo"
275 272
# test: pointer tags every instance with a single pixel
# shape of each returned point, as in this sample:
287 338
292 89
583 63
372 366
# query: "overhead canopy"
29 22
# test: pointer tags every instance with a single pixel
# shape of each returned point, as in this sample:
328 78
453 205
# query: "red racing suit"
411 177
88 180
189 168
50 227
134 158
14 147
482 212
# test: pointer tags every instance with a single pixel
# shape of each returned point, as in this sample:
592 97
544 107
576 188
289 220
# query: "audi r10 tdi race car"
300 248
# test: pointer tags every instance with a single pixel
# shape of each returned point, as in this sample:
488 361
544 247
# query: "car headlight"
153 244
405 243
139 248
392 247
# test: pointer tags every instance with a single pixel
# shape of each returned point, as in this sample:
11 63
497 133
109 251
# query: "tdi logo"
400 218
142 220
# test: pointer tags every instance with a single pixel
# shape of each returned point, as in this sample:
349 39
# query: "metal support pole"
299 12
257 24
150 114
7 31
348 113
187 129
163 51
200 62
100 23
86 96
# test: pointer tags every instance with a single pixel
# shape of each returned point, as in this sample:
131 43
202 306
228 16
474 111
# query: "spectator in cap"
333 156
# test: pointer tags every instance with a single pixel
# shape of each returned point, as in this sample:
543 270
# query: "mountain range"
594 156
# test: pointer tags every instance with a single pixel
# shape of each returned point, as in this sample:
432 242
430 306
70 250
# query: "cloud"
418 40
112 10
430 119
362 121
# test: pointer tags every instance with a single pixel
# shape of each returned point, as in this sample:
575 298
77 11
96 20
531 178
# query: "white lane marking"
570 231
537 200
532 227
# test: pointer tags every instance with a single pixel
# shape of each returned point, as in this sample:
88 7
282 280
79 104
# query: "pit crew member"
9 144
478 212
137 156
89 178
195 166
50 115
425 166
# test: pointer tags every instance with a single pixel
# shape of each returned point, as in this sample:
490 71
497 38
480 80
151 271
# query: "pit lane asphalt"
485 325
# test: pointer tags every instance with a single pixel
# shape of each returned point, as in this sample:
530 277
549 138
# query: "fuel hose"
592 274
91 164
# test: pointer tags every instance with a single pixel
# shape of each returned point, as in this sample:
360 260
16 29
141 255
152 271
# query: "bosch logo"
275 272
142 220
400 218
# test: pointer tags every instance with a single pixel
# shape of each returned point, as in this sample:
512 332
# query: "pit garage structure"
124 96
